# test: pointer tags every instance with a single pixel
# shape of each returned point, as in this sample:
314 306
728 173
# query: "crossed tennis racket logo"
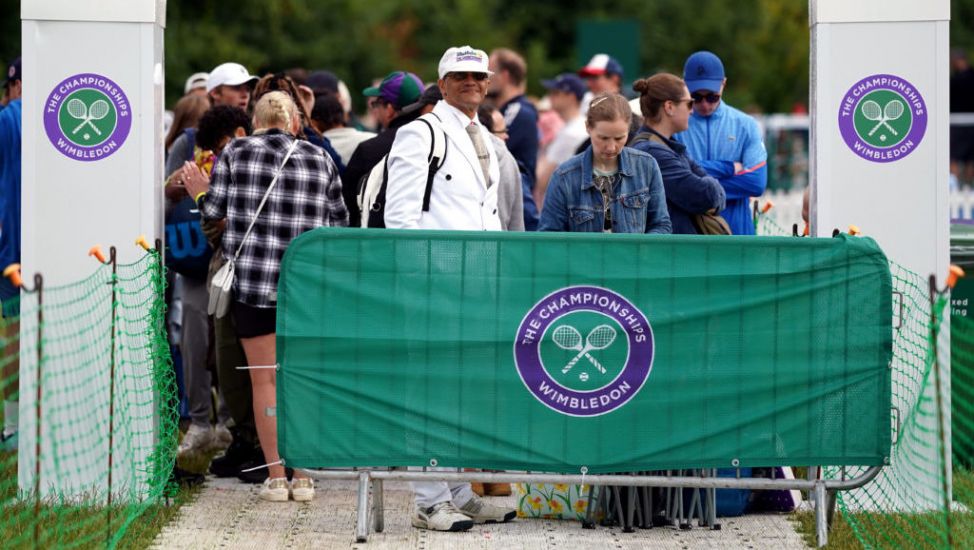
882 116
568 338
78 110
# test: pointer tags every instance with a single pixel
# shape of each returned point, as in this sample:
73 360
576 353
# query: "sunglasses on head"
460 77
708 97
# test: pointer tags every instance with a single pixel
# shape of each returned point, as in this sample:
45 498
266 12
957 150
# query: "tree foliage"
764 43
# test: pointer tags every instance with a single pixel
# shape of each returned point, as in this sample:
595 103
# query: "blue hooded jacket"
718 141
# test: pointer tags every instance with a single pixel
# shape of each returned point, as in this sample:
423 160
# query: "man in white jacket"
463 197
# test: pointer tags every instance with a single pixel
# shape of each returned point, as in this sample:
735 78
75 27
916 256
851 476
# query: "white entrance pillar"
879 160
92 174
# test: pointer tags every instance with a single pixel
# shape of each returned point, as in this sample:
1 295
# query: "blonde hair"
606 108
275 110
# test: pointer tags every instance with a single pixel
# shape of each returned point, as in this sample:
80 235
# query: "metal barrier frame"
819 489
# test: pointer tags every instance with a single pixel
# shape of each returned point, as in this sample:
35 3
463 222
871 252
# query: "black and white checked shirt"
308 194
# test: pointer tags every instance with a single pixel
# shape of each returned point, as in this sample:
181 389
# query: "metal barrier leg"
821 515
378 512
362 524
628 526
593 495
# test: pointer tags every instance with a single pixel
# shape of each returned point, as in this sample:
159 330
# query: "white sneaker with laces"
441 517
197 439
481 511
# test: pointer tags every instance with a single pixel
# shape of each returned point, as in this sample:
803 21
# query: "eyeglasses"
377 103
709 98
460 77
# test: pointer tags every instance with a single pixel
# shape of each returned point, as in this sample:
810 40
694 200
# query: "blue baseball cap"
703 71
567 82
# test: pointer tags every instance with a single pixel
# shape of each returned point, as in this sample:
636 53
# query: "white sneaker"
222 438
302 489
275 490
442 517
481 511
196 440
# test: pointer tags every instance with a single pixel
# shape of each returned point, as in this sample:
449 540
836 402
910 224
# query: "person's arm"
554 215
406 182
752 178
657 215
691 192
178 154
523 140
718 168
215 205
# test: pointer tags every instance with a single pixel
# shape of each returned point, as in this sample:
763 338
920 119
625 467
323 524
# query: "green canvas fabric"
401 348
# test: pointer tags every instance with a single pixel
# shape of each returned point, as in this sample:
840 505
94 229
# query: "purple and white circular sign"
584 351
883 118
87 117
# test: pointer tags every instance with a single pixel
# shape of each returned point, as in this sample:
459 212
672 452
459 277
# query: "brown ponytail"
655 91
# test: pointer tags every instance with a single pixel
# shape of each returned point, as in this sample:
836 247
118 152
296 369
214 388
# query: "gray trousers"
194 347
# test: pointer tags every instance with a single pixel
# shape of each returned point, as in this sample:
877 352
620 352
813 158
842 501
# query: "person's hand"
738 168
193 179
174 191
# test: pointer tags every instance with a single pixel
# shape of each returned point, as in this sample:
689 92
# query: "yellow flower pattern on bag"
558 501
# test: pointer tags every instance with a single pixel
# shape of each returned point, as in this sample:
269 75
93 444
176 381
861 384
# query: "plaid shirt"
308 194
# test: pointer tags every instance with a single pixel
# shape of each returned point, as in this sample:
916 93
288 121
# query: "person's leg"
194 348
235 384
427 494
10 375
261 351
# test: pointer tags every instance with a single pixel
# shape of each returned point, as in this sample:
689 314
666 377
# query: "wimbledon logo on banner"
882 118
87 117
584 350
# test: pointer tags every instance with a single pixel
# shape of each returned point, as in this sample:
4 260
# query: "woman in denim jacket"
609 187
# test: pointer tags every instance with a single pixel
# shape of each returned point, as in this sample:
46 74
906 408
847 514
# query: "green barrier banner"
551 352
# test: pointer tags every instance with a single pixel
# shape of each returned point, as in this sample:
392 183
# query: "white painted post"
92 174
879 160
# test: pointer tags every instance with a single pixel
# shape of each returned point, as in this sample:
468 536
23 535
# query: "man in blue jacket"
10 139
724 141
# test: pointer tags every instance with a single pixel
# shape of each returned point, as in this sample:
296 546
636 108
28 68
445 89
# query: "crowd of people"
253 162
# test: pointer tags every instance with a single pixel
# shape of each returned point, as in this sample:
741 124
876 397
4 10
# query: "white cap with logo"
464 59
228 74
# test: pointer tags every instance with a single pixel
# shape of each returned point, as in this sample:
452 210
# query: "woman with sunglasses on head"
283 83
666 105
608 187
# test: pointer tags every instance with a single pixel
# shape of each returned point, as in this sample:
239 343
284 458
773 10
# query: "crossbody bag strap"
264 200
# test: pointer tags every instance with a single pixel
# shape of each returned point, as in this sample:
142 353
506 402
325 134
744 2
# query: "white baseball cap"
196 80
228 74
464 59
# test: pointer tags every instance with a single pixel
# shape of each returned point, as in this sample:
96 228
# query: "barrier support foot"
362 524
821 514
378 519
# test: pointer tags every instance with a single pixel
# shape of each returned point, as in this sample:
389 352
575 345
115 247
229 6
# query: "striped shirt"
308 194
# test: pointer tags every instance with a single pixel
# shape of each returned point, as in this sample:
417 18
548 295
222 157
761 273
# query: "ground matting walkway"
228 514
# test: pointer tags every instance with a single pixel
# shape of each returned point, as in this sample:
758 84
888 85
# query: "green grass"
900 530
79 526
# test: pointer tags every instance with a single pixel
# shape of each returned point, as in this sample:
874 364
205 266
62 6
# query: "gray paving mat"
228 514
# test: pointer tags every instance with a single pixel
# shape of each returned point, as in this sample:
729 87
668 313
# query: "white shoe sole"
420 523
306 495
274 497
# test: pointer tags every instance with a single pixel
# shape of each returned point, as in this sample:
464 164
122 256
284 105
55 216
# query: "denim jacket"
574 203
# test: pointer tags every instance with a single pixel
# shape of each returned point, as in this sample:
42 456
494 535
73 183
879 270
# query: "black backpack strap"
434 161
